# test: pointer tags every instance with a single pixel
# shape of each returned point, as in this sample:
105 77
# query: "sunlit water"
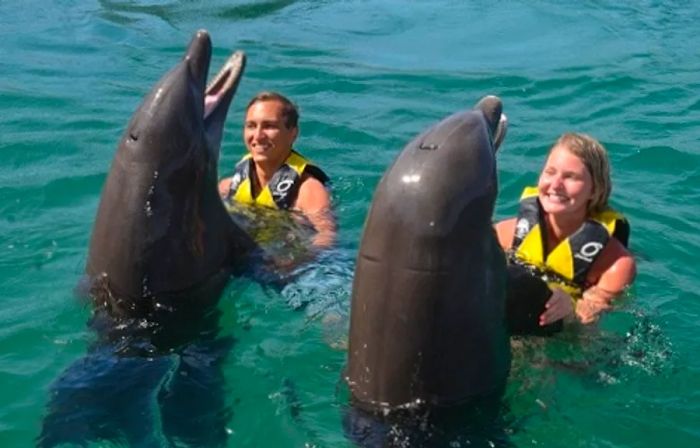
367 76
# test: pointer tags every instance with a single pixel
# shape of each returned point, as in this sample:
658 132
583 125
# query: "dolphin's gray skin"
427 323
525 302
162 249
161 229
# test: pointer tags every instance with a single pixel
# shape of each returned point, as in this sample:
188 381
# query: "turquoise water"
368 76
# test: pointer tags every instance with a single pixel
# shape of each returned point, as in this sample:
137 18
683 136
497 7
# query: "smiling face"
565 185
266 133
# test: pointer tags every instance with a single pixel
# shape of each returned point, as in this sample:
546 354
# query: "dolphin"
427 320
162 249
161 230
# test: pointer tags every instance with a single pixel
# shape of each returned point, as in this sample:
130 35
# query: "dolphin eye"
133 137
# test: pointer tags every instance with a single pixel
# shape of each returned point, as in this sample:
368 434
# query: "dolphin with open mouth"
161 230
162 249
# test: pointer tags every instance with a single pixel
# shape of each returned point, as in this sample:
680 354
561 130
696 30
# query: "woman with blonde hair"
566 234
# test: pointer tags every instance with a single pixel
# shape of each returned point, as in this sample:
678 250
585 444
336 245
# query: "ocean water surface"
367 75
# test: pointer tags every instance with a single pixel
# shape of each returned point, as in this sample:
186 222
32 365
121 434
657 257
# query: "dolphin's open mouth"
224 82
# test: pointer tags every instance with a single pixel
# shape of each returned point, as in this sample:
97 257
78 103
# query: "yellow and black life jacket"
567 264
281 190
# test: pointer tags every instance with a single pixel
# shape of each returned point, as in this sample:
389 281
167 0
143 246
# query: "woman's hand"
559 306
595 300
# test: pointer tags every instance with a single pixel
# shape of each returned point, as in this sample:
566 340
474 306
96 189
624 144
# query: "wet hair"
290 112
595 158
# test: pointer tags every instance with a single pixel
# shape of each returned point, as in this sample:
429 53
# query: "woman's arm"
611 273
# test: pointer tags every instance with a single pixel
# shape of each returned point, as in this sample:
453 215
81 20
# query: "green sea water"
367 75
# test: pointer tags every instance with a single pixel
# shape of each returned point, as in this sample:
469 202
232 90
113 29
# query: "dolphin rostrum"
427 322
161 229
162 249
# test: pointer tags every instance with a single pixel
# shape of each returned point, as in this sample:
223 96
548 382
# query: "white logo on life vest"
521 228
589 251
283 186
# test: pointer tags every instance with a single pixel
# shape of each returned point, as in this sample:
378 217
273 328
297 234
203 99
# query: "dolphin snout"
198 56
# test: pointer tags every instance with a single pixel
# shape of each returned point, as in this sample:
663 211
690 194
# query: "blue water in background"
367 76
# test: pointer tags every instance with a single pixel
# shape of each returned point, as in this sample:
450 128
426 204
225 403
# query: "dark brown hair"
289 109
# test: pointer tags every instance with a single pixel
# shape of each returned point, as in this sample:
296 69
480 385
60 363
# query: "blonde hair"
595 158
